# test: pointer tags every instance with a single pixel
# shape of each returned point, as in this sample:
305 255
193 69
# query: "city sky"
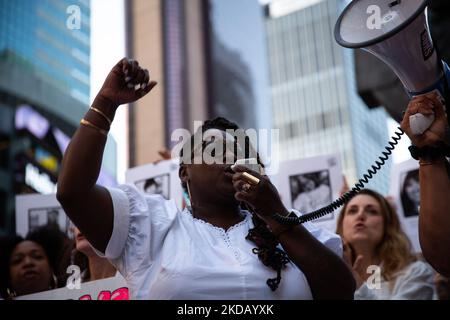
108 47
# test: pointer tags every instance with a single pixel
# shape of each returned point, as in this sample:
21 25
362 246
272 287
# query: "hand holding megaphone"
403 42
425 120
420 122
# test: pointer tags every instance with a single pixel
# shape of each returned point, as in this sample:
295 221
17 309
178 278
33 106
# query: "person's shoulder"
142 202
418 268
133 192
421 266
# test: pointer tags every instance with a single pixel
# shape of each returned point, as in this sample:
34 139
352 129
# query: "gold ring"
246 187
250 179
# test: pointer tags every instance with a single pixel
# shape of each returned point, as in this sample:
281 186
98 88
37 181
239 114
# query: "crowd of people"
225 243
40 261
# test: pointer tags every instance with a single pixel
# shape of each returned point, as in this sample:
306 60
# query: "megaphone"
396 31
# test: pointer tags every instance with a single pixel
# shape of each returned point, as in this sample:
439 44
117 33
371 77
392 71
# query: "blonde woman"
380 253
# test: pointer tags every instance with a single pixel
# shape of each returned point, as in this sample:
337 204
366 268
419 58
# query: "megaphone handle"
419 123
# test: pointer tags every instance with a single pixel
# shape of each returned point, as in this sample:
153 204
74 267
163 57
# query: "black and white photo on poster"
311 183
410 193
311 191
158 178
38 217
37 210
405 189
156 185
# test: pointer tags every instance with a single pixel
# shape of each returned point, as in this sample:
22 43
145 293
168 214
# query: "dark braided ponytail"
267 250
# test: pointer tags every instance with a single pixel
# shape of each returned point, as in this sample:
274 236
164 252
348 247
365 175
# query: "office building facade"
44 92
314 100
203 70
55 37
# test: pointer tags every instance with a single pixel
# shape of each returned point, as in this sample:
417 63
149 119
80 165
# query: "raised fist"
126 82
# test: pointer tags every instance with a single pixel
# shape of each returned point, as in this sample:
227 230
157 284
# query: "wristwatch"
429 152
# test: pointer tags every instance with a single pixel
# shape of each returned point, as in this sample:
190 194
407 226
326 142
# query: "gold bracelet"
102 114
89 124
431 162
423 164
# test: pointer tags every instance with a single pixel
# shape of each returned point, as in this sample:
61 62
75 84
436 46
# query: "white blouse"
414 282
167 254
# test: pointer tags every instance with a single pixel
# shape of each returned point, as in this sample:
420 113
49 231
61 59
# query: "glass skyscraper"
38 32
44 92
314 100
238 70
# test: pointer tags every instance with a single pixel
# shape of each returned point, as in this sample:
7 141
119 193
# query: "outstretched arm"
88 205
434 218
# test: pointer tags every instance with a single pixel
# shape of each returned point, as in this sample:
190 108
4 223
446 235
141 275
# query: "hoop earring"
187 200
11 294
189 196
55 282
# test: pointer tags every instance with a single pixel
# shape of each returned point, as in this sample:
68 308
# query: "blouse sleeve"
331 240
417 283
140 224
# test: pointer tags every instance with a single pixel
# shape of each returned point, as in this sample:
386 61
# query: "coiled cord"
350 194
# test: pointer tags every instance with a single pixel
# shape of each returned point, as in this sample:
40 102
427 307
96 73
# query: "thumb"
165 154
151 85
439 108
147 89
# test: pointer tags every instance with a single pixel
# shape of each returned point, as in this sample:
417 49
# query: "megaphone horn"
396 31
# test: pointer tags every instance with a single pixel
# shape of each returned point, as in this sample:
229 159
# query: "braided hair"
266 242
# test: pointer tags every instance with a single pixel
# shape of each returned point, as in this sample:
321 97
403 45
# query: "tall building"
146 125
210 60
238 69
38 32
314 99
44 92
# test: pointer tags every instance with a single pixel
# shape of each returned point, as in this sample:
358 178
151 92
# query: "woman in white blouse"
216 250
380 253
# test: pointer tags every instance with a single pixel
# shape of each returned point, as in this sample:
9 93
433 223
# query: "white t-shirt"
167 254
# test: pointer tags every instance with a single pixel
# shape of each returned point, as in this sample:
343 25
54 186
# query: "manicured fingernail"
137 87
127 79
143 86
